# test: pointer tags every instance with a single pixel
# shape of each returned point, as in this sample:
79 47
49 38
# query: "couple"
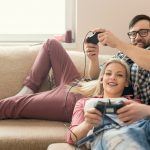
114 77
29 104
133 118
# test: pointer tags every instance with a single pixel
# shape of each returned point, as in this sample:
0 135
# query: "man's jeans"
133 137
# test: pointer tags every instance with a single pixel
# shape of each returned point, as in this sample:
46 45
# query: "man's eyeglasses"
142 33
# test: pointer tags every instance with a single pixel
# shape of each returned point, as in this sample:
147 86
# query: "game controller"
93 38
109 107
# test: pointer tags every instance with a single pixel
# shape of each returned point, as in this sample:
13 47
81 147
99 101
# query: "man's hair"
138 18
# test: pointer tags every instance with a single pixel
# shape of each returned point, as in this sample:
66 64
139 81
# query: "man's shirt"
140 79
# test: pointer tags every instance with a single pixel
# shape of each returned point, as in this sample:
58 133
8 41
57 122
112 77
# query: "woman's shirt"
78 116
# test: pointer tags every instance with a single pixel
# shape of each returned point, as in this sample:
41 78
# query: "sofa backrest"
82 62
16 61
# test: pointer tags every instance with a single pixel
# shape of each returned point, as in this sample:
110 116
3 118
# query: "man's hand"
109 39
133 111
92 51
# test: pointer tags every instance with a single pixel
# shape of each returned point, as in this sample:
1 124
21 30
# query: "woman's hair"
95 87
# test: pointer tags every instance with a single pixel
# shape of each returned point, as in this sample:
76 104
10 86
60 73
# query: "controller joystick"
108 107
93 38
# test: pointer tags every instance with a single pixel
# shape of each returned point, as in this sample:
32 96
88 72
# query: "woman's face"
114 80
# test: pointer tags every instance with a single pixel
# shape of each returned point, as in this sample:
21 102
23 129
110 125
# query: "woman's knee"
51 44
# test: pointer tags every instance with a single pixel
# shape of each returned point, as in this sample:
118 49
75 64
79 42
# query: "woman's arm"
82 122
80 131
133 111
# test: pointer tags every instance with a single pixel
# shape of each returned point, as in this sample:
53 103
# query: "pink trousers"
56 104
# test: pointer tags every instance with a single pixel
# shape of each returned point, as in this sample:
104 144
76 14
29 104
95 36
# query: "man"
139 34
137 54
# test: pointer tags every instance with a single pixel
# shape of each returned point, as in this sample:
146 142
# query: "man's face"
140 41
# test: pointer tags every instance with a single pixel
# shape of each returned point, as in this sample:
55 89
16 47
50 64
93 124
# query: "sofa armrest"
62 146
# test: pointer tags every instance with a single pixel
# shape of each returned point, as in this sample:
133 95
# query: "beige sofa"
30 134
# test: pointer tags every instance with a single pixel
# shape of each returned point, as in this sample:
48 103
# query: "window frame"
39 38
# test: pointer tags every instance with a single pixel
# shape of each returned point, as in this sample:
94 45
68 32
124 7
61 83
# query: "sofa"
31 134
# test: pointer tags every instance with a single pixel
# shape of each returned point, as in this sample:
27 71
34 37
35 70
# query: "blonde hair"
95 87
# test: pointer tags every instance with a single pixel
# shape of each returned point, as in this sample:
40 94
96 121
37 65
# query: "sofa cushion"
15 63
29 134
78 57
63 146
60 146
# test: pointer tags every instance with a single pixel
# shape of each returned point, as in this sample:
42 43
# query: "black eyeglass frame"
133 36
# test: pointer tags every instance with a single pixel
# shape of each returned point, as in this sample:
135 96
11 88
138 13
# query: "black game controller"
109 107
93 39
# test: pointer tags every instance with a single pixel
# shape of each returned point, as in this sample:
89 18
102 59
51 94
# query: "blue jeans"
132 137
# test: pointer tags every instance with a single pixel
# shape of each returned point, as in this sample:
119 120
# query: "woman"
113 79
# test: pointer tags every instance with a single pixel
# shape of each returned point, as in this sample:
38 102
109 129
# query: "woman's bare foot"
25 90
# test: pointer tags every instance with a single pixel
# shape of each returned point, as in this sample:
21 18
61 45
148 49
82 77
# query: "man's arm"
137 54
94 69
92 51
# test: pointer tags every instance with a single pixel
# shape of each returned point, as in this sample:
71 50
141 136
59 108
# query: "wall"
113 15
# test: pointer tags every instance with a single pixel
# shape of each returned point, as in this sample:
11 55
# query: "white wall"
113 15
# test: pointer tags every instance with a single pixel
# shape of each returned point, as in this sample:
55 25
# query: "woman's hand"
133 111
92 117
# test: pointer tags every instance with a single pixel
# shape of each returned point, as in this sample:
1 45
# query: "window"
35 20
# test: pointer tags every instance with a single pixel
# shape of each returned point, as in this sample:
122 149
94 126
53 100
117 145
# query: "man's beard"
148 48
141 43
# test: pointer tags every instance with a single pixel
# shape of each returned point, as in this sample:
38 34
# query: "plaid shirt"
140 79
